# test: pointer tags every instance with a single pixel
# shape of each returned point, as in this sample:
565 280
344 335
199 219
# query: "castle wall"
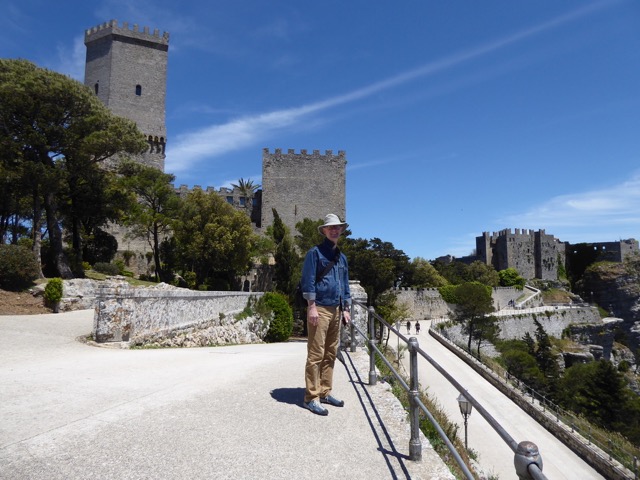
423 303
546 257
535 254
616 251
302 185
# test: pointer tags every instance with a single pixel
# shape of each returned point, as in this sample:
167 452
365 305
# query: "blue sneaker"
331 400
316 408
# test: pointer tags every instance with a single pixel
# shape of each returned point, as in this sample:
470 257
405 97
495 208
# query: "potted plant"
53 293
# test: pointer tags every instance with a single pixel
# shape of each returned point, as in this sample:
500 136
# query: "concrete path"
559 462
69 410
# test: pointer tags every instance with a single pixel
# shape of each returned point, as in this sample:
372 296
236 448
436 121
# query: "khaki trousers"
322 346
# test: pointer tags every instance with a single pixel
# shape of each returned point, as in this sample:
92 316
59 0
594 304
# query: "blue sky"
457 117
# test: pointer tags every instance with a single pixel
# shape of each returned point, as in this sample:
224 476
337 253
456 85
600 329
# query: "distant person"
408 327
417 328
325 286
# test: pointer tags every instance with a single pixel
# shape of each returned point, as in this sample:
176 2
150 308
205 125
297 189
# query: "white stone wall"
123 313
423 303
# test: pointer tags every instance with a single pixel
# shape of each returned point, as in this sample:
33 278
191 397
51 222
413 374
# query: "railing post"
526 455
373 378
415 445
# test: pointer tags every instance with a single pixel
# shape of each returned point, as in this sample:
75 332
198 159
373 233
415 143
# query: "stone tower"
302 185
127 69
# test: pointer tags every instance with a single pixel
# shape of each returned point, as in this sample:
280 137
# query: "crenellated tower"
302 185
127 69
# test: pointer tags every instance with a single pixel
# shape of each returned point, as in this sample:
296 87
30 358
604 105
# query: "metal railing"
527 459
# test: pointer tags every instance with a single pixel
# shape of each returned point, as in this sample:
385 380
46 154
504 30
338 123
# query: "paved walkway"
69 410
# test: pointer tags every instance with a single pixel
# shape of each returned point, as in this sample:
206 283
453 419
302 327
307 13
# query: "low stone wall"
127 314
553 321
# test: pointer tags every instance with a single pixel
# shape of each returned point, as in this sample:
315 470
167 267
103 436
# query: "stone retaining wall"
126 314
553 321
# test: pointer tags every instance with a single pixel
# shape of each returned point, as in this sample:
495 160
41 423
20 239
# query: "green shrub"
53 291
107 268
448 293
281 326
18 267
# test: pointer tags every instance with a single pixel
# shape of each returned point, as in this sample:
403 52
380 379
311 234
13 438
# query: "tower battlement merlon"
112 28
304 153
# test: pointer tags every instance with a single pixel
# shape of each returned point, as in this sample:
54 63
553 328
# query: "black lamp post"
465 410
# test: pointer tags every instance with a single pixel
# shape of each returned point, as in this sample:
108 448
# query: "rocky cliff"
616 288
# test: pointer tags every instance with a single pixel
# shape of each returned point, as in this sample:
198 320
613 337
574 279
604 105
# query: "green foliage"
154 206
308 234
281 326
545 357
448 293
454 272
18 267
53 291
376 264
624 366
483 273
287 268
107 268
474 305
509 277
391 310
599 392
212 239
191 279
424 275
562 270
55 133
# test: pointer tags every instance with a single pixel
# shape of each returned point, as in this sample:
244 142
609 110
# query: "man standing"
325 286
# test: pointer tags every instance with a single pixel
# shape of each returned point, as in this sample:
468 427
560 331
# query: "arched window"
138 90
96 87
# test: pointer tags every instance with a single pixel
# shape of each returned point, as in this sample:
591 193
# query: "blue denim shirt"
333 288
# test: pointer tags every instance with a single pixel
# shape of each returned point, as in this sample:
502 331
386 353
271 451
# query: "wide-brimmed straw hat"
332 220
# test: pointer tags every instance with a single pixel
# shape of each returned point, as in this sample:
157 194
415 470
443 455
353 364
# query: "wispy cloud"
71 61
580 215
214 140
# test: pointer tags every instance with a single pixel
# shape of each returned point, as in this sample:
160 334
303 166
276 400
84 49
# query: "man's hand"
312 314
346 317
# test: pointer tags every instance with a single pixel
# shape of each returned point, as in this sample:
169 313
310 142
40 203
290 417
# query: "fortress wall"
423 303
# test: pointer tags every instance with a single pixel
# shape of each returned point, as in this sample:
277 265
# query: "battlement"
304 153
112 28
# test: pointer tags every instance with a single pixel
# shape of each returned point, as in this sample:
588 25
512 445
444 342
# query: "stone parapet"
125 314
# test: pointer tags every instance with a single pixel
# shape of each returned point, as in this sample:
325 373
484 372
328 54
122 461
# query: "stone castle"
127 69
536 254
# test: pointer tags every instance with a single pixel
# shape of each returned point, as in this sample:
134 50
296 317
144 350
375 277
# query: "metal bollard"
527 454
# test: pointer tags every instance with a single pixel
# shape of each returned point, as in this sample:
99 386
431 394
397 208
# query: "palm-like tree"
247 189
